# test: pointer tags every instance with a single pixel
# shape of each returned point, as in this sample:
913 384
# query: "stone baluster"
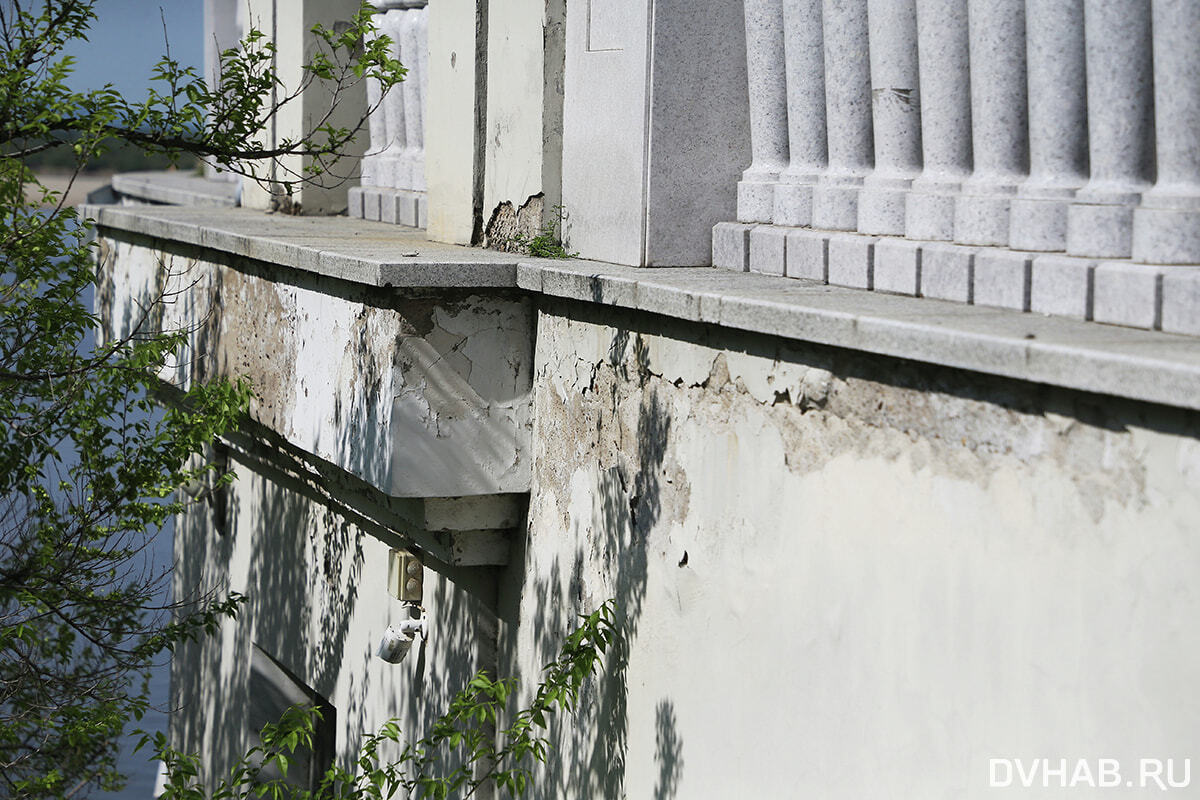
1057 124
807 149
1166 228
411 47
393 166
999 131
896 107
768 110
848 114
376 126
942 46
1120 145
420 88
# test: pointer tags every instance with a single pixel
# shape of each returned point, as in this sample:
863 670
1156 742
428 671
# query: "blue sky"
126 41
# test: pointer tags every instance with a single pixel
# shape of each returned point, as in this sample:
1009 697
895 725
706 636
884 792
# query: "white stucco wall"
893 573
838 575
317 603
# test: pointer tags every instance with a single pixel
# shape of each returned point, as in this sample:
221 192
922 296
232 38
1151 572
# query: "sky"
126 41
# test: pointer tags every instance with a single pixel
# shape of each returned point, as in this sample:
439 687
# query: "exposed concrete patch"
821 410
508 224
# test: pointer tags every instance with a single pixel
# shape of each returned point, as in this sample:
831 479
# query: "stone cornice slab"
1122 362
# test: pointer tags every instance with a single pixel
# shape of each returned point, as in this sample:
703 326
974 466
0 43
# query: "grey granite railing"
1031 154
393 170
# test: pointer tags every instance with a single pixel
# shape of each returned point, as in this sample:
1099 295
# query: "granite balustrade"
393 170
1029 154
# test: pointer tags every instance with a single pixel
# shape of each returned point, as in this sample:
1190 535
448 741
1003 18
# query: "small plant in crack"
549 241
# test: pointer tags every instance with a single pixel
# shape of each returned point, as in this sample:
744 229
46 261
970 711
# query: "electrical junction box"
405 576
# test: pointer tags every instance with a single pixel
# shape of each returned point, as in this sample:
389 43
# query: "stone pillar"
222 30
999 131
412 52
1120 147
394 169
1166 228
942 44
768 110
896 106
421 85
1057 124
377 127
848 113
807 148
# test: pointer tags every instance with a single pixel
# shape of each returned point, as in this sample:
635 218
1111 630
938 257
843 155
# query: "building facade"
870 395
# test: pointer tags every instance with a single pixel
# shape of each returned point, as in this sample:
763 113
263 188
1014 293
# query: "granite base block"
1128 294
1061 285
768 245
898 266
946 272
1099 231
808 255
1181 301
755 201
1166 236
354 202
1002 279
731 246
851 260
982 219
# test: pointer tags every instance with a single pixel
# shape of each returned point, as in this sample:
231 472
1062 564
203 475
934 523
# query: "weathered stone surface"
851 260
1002 279
808 255
1061 285
898 266
731 246
1181 301
418 397
1128 294
768 245
946 272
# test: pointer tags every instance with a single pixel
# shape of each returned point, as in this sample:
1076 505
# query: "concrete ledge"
177 188
1123 362
354 250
